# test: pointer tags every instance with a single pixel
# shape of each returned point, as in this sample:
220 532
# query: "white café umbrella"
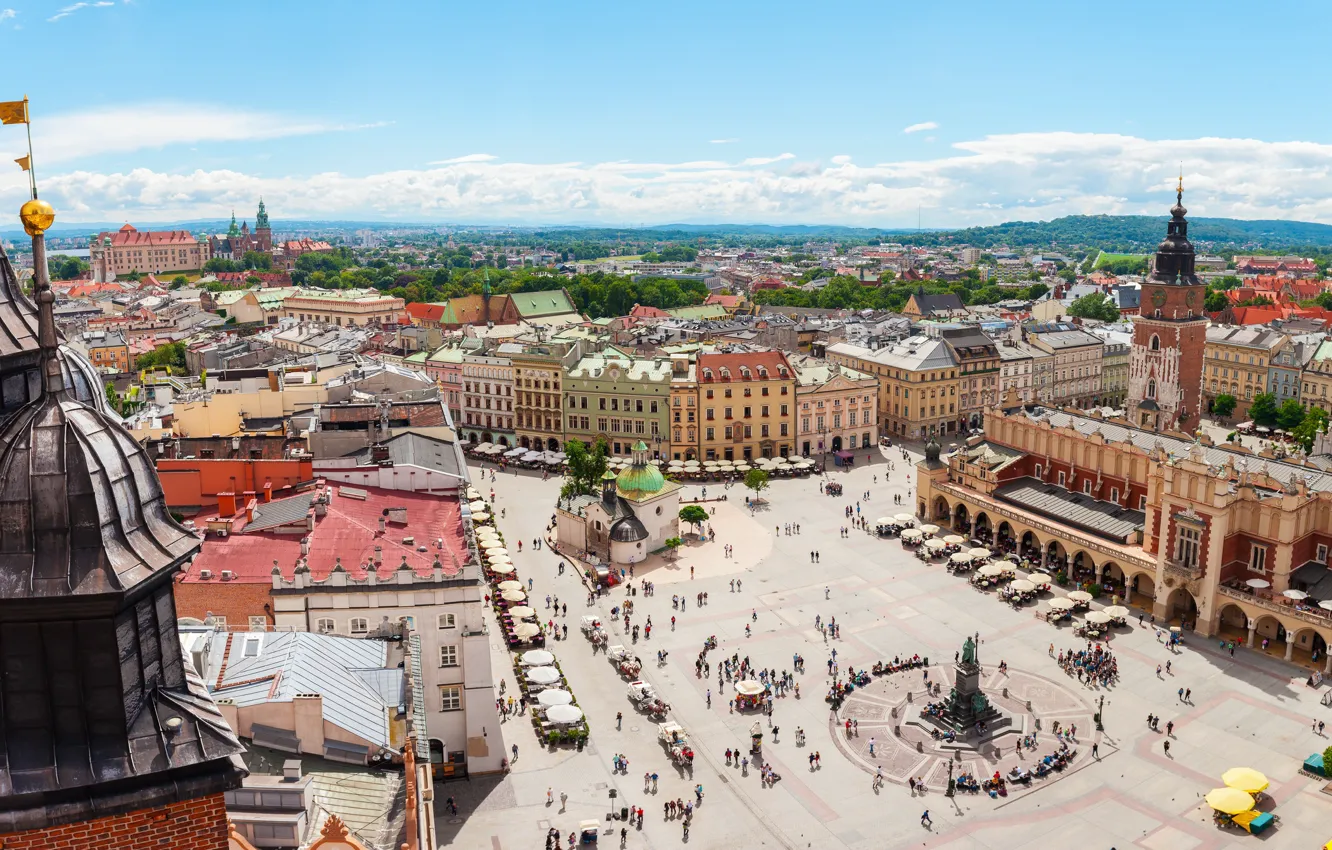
497 561
911 534
472 493
748 687
502 569
743 467
515 452
905 519
498 553
478 505
537 658
480 516
1326 604
885 520
491 543
990 571
526 630
1116 612
564 714
1061 604
1039 578
513 596
553 697
1098 617
1258 584
1295 594
935 545
960 558
929 529
510 584
481 447
543 675
1080 596
954 540
522 612
1022 585
980 552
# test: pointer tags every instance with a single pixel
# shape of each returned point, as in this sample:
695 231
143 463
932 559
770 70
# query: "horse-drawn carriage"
642 695
591 627
628 664
676 742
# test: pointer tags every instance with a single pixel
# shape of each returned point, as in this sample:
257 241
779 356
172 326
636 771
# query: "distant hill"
1129 233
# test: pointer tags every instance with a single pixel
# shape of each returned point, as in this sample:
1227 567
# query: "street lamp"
1100 714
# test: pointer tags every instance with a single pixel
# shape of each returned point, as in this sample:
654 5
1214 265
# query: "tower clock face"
1190 296
1159 298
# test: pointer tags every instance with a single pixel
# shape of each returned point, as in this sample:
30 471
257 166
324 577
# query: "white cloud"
471 157
922 126
841 159
7 14
767 160
74 7
120 129
722 141
1024 176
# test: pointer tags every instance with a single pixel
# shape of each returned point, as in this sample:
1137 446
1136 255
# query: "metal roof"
1104 519
279 512
263 667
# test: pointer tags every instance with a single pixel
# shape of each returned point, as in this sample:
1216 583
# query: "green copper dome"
641 476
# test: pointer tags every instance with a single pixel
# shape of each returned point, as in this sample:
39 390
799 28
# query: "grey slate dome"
628 530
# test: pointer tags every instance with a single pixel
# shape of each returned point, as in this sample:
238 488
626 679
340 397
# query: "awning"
845 455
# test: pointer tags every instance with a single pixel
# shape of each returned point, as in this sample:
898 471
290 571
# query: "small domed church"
635 514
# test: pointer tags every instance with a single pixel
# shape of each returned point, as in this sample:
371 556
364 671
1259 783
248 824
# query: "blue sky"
584 113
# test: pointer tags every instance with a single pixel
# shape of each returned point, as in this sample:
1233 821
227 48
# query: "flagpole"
32 175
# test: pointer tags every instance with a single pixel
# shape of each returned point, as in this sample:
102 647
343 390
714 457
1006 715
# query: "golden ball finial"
37 217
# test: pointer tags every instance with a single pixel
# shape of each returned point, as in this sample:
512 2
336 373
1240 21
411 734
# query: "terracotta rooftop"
348 530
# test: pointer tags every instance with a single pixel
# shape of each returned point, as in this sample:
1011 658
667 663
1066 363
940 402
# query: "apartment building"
978 366
343 307
619 398
747 401
538 380
918 384
130 250
487 409
837 407
1078 359
1237 361
685 416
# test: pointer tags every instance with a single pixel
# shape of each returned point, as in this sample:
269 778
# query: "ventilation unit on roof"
228 575
205 574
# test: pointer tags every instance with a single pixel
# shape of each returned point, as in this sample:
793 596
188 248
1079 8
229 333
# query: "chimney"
226 504
291 770
249 506
268 491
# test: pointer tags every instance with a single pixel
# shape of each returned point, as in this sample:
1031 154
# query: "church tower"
1169 334
263 234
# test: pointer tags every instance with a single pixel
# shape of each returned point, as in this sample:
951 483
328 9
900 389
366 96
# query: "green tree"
112 397
586 466
1223 405
1215 302
1324 300
1096 305
757 480
67 268
1263 411
1290 414
695 515
672 544
217 264
178 281
171 355
256 260
1315 420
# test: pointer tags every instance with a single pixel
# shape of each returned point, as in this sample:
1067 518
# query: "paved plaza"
1246 710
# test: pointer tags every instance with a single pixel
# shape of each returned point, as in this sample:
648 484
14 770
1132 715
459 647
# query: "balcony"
1316 619
1181 570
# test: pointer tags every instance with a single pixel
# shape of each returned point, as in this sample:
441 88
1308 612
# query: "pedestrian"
1188 695
550 797
1167 748
515 746
564 801
1096 750
925 819
709 697
619 720
911 780
1170 728
1181 694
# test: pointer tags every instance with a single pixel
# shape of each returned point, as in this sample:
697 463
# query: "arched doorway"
1083 567
487 437
1005 536
837 444
961 523
1056 557
1142 590
981 528
471 438
942 514
1030 546
1233 624
523 442
1111 577
1181 608
552 445
504 441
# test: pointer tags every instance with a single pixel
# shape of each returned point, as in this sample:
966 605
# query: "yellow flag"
14 112
24 163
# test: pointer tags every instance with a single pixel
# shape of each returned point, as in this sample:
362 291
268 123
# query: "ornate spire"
233 230
261 217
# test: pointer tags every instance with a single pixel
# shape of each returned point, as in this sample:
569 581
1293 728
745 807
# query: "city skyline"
518 114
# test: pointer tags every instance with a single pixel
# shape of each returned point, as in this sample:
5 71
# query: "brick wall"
237 601
192 825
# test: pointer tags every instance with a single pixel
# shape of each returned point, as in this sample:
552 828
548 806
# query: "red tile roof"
773 361
127 236
349 530
727 301
643 311
425 312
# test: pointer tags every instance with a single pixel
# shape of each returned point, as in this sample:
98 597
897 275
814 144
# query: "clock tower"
1169 334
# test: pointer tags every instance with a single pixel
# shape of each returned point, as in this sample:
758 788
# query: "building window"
1258 558
1321 557
259 622
1038 470
359 626
1061 479
448 656
1114 495
447 621
324 626
1086 486
1188 546
450 698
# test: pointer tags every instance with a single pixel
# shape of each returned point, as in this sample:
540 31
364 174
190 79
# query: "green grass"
1107 257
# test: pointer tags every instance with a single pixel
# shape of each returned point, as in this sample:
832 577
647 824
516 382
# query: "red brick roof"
426 312
643 311
727 301
350 530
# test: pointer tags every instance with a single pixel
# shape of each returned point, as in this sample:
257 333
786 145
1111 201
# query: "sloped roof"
1104 519
532 304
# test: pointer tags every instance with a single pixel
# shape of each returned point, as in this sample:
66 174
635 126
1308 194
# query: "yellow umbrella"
1232 801
1245 779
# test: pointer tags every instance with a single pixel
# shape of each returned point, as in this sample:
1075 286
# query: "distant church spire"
233 230
261 217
